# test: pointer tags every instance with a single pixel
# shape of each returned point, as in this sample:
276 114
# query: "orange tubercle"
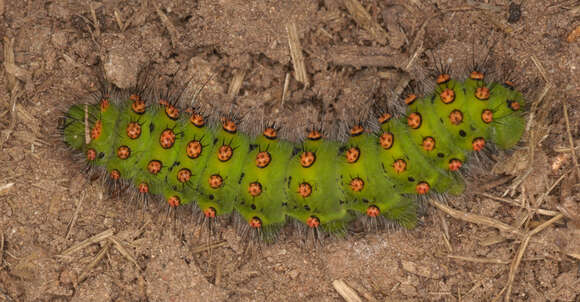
373 211
173 201
313 221
478 144
91 154
314 135
482 93
422 188
476 75
414 120
256 223
143 188
115 174
454 164
410 99
385 117
447 96
210 212
443 78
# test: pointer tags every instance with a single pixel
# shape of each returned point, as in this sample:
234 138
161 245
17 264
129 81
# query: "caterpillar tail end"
72 124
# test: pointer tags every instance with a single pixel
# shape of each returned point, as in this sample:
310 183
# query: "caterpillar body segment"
220 179
367 189
314 195
263 198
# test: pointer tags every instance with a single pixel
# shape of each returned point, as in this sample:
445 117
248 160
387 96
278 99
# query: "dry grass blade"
122 26
95 239
123 251
1 248
173 33
523 246
286 86
236 83
574 255
95 261
297 55
362 291
413 58
95 22
218 273
345 291
5 188
209 246
477 219
13 85
510 202
541 69
445 232
75 216
570 138
546 224
480 259
364 19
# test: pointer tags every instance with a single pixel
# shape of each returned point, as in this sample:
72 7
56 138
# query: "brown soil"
55 52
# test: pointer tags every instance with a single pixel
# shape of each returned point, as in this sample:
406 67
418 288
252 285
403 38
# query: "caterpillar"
322 183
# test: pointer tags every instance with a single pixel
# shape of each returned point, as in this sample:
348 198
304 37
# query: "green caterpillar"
320 183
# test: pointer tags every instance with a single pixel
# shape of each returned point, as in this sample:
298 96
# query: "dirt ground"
515 235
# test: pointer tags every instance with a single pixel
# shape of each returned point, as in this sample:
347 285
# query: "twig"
445 232
75 216
518 181
13 85
95 239
122 26
413 58
541 69
345 291
480 259
574 255
95 20
218 273
364 19
123 251
523 246
95 261
209 246
5 187
498 296
546 224
296 54
1 248
565 149
236 83
536 103
362 291
570 139
510 202
173 34
475 218
286 86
